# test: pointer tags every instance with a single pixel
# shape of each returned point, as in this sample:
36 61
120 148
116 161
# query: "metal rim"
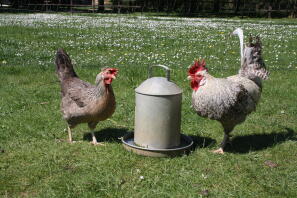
184 137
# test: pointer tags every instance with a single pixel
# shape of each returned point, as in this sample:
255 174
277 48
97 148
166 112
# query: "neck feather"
101 88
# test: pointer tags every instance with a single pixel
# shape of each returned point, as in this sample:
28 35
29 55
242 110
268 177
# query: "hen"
229 100
83 102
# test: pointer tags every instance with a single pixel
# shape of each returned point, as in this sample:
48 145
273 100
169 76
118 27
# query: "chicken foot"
94 140
223 144
70 140
92 126
69 135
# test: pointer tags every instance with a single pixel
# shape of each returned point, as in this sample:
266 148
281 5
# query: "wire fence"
264 8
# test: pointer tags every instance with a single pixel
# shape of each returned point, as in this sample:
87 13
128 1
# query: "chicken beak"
189 78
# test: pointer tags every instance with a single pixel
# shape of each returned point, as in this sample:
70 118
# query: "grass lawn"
36 160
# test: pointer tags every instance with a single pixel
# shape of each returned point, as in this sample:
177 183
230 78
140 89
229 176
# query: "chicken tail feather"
64 67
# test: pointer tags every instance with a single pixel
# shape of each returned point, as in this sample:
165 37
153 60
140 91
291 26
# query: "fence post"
269 10
71 4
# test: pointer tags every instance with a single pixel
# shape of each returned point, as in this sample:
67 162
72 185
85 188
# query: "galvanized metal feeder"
158 119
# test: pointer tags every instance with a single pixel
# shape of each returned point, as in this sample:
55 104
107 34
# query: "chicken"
83 102
229 100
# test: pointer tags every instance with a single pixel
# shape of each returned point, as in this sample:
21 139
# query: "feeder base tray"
183 148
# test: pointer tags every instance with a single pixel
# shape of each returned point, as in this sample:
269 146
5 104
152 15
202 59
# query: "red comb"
197 66
111 70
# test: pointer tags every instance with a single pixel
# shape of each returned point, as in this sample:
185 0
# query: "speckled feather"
83 102
230 100
223 100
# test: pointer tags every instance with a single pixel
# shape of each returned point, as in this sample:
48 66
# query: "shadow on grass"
240 144
202 142
256 142
115 134
107 135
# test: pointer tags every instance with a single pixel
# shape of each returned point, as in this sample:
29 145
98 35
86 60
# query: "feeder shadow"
256 142
201 142
107 135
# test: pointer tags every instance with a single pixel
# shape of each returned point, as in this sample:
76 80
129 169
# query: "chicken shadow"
201 142
107 135
115 135
256 142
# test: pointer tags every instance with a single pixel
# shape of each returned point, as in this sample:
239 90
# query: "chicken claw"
219 151
97 143
94 142
72 142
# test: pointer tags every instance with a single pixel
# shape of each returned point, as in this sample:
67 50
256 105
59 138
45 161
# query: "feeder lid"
158 86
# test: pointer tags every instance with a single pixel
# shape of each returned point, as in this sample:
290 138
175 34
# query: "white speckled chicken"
83 102
229 100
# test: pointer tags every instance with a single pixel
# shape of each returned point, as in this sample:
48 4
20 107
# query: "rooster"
83 102
229 100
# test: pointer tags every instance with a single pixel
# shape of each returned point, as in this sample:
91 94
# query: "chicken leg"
69 135
70 140
223 144
92 126
94 140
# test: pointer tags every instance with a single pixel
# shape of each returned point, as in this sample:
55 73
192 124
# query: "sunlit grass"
35 161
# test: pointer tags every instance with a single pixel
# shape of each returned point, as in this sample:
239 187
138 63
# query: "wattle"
194 85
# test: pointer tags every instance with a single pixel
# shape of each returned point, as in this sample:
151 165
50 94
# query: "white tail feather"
239 33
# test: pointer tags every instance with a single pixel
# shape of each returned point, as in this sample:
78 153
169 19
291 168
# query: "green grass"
36 161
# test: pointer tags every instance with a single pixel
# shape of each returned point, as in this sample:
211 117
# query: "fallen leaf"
270 164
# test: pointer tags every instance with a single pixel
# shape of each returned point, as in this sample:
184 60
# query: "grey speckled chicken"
83 102
229 100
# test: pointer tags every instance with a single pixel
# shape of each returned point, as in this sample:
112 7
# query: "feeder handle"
164 67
